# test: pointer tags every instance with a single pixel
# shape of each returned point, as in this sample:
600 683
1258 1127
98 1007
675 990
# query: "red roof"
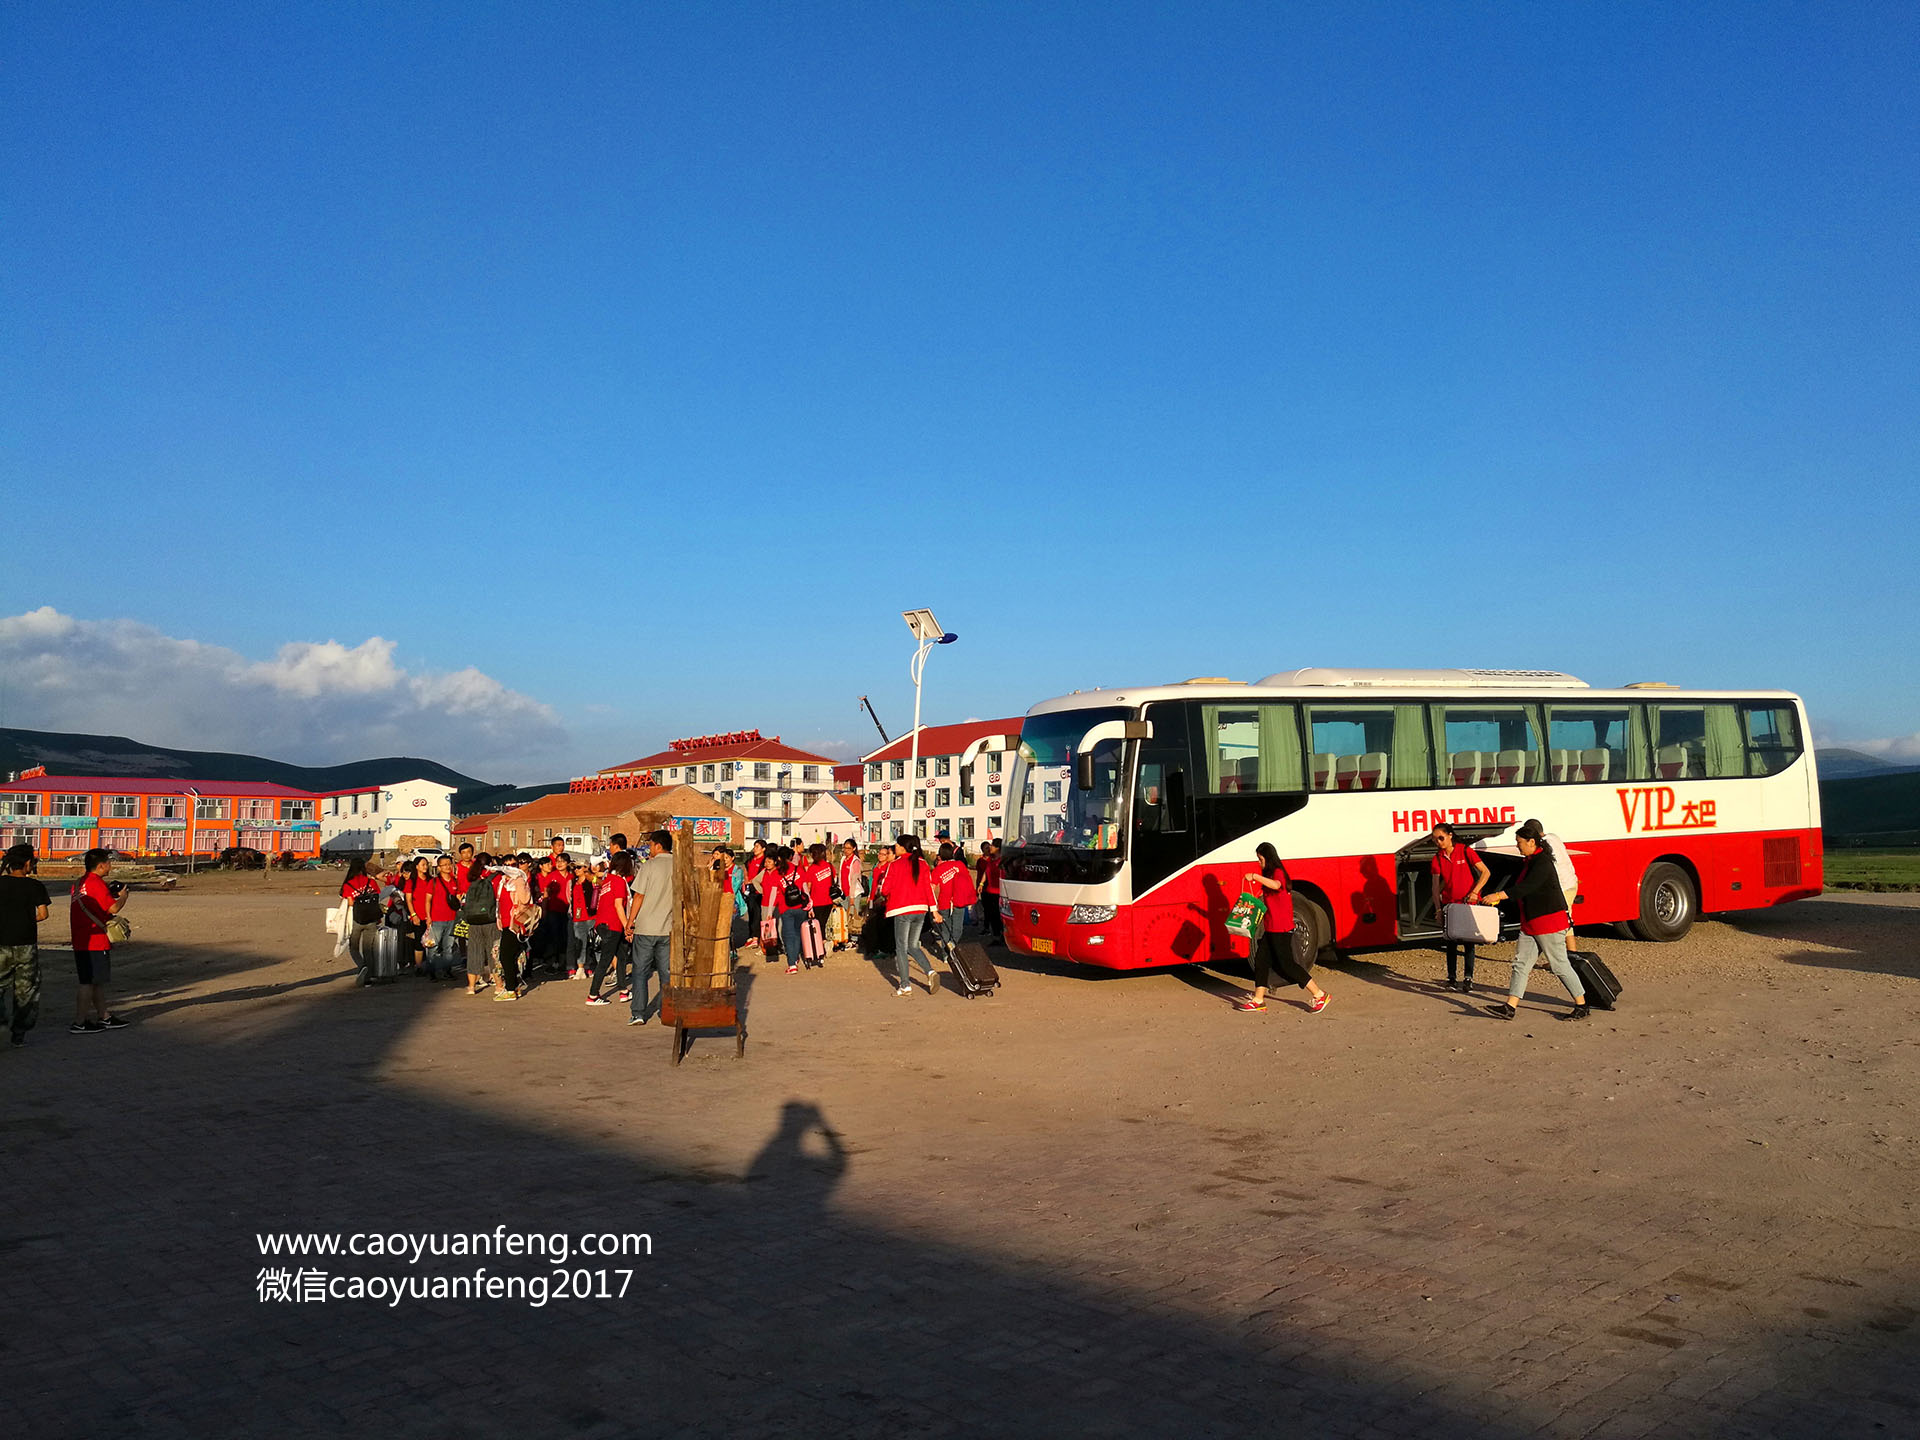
850 802
742 750
474 824
944 739
134 785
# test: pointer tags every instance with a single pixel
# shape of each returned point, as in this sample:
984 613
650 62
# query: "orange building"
63 816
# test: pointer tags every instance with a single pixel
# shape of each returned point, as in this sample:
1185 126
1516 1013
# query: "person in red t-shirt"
438 898
1274 948
579 917
756 899
94 903
818 873
1459 875
957 893
986 871
463 868
610 899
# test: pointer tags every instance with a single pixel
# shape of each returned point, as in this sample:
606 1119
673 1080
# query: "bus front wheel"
1312 931
1667 903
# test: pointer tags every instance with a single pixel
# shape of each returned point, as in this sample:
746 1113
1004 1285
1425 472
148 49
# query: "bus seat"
1465 765
1323 772
1373 770
1594 764
1510 766
1348 772
1562 765
1696 760
1672 762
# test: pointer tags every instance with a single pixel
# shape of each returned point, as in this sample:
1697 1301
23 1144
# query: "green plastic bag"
1248 916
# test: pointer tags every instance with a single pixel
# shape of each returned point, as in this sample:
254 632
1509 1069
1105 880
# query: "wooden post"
686 910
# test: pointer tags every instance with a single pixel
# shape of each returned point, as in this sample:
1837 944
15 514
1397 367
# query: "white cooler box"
1476 924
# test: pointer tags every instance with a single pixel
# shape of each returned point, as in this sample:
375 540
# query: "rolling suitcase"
1602 990
1476 924
813 945
389 948
971 967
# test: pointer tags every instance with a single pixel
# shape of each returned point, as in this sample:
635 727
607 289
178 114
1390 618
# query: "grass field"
1873 869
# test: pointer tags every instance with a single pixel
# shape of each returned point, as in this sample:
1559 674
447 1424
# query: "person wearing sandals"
1459 875
1544 924
1273 949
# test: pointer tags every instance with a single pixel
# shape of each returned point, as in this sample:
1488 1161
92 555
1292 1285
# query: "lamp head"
923 625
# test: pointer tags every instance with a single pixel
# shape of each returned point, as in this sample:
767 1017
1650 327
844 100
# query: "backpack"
792 893
480 906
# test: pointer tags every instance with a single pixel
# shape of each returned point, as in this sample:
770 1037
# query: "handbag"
118 931
1248 916
336 918
461 929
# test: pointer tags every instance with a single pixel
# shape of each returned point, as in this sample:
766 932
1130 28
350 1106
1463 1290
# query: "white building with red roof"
952 791
771 783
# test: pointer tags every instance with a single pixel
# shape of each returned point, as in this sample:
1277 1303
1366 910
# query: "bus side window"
1367 747
1594 743
1772 735
1489 743
1251 749
1697 742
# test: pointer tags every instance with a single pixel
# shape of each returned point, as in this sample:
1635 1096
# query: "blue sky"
1138 341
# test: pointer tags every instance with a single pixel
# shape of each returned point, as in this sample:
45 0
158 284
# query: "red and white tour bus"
1133 813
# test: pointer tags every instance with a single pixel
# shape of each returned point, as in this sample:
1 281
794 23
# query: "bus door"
1418 909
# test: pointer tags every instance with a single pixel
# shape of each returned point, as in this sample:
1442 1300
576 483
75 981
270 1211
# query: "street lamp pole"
927 631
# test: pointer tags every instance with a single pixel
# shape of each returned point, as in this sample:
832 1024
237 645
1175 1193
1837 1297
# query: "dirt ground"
1092 1204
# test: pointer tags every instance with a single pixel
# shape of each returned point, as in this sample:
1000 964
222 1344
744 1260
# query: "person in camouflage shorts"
23 905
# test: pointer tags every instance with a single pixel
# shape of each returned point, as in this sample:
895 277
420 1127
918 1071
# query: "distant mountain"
117 755
492 799
1841 764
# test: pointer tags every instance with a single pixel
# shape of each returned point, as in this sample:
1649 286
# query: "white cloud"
1900 747
313 704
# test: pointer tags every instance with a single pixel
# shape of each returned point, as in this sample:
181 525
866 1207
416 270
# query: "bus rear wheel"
1668 904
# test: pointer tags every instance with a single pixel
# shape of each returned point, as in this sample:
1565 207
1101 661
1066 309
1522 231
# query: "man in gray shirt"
650 923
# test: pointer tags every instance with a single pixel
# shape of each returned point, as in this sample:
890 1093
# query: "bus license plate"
1041 947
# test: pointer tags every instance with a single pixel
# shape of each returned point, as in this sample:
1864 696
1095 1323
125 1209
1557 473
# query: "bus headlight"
1091 914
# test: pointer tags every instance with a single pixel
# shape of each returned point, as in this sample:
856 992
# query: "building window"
296 809
261 840
899 771
706 774
496 839
122 807
942 797
919 799
809 772
943 765
166 807
206 807
353 802
993 792
1026 797
1051 793
373 803
166 842
726 774
874 773
255 810
125 841
68 840
513 838
73 805
966 829
763 771
20 806
211 842
920 768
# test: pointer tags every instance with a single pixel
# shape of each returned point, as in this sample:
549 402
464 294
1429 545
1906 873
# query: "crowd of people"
503 922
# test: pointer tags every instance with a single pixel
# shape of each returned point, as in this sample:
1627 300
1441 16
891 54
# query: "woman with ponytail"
906 894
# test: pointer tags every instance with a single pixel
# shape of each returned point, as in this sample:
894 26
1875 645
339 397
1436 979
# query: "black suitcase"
971 967
876 935
1596 980
389 946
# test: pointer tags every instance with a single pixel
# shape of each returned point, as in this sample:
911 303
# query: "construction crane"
867 706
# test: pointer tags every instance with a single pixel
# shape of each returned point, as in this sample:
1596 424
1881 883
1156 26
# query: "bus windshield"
1045 806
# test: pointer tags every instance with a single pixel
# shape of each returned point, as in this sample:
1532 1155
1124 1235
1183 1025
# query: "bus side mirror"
1083 770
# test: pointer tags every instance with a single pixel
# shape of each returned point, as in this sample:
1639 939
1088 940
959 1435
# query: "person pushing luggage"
1544 924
